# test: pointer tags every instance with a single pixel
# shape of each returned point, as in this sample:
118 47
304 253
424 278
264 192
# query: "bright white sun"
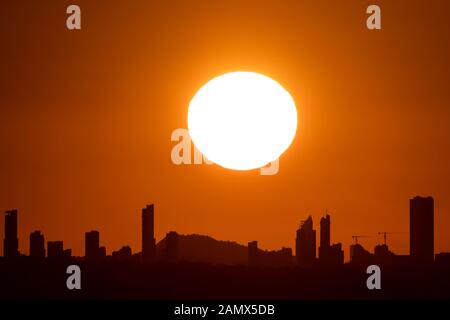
242 120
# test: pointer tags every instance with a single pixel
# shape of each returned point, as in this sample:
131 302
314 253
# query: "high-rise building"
325 242
37 245
305 249
253 253
325 239
172 247
55 249
421 229
92 244
11 241
148 238
329 254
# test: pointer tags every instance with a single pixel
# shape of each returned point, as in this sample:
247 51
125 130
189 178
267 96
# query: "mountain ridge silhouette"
204 248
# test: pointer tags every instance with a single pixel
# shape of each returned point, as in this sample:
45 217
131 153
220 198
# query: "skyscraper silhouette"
148 238
329 254
305 249
421 229
325 242
37 245
92 244
325 238
10 242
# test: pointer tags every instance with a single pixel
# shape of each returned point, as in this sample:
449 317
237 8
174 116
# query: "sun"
242 120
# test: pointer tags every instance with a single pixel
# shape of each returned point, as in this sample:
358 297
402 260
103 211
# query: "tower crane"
385 233
359 236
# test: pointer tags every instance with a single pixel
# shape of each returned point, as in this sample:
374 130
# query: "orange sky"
86 118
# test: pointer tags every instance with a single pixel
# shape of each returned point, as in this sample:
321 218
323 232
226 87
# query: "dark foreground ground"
45 279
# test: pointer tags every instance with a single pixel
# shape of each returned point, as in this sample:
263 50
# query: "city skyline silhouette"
306 251
200 267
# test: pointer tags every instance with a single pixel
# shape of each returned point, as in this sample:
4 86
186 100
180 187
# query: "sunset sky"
86 118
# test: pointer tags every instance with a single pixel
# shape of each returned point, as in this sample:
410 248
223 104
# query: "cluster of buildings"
421 239
421 243
92 248
55 249
305 249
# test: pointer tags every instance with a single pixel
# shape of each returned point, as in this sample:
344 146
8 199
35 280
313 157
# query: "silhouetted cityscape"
421 243
186 252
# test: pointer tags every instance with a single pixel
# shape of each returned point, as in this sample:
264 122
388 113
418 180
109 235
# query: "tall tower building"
329 255
10 242
37 245
325 239
148 236
305 249
421 228
92 244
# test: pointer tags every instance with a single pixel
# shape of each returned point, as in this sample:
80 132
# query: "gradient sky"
86 118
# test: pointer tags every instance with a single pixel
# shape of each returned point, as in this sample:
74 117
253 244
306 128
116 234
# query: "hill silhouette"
205 249
201 248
